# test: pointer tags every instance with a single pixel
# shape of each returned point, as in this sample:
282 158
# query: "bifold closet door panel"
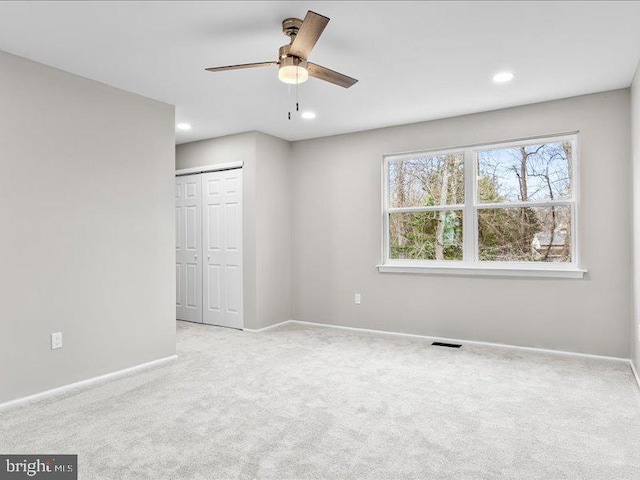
189 248
222 248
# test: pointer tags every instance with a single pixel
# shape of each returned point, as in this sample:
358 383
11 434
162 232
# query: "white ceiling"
415 60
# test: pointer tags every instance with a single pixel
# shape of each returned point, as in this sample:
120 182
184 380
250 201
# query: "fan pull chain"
297 98
297 83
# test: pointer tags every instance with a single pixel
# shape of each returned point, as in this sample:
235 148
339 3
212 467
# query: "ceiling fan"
293 67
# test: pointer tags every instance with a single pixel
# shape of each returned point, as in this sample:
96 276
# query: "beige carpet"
300 402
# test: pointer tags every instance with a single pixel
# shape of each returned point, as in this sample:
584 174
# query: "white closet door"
189 248
222 239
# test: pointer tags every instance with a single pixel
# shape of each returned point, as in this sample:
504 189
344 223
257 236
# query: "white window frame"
470 265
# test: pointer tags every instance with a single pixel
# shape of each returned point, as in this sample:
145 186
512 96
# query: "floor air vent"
450 345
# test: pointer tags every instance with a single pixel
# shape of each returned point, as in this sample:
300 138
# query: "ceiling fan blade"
241 66
311 29
330 76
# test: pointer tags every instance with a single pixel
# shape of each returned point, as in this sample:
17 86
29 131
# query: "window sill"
484 270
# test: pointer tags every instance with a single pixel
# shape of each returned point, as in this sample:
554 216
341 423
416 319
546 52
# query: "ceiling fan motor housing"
292 69
285 59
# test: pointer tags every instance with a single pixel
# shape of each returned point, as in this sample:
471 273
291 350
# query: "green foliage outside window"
531 173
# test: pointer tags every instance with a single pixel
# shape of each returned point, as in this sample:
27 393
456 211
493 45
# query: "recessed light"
503 77
183 126
308 115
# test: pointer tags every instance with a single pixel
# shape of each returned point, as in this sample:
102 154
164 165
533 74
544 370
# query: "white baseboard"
469 342
86 383
159 362
254 330
635 372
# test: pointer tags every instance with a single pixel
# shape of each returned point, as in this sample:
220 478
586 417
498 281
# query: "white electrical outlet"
358 299
56 340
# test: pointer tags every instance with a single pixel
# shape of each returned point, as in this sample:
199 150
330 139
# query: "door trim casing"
209 168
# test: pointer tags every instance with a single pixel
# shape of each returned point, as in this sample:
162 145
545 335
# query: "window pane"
426 235
426 180
541 234
528 173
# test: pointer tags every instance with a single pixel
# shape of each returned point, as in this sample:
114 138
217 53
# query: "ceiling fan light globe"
293 74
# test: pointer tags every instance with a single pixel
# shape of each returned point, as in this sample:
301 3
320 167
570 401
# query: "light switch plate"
358 299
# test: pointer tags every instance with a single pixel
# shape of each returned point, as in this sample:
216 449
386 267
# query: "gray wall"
336 198
86 208
273 230
232 148
635 146
266 217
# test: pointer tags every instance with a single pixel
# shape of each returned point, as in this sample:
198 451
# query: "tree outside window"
518 207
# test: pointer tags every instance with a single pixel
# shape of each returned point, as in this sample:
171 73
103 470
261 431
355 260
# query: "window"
498 209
